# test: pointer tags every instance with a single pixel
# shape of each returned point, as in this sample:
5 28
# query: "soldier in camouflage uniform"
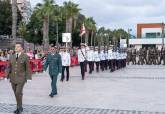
134 56
163 55
156 56
140 53
145 56
129 56
149 56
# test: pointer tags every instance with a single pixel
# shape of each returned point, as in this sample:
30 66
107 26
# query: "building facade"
149 35
25 9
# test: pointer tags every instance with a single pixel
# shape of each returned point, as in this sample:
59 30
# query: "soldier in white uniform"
125 58
110 58
106 59
102 59
90 58
82 58
118 59
97 59
113 62
66 62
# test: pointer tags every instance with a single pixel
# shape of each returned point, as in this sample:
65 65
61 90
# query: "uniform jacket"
82 57
96 56
55 64
90 55
102 55
19 71
66 60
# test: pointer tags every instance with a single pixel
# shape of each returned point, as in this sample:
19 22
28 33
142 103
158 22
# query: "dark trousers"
54 84
93 65
90 63
83 68
105 64
18 92
113 65
102 65
109 64
63 73
97 66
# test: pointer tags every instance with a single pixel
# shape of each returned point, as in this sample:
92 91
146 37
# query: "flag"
82 31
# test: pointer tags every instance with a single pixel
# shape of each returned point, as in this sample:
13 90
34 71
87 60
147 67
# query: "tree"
90 29
34 30
101 32
57 18
6 17
44 11
119 34
70 12
14 20
22 31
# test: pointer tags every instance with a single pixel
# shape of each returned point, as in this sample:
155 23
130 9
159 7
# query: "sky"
115 14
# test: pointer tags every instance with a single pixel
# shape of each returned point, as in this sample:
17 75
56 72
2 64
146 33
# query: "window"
151 35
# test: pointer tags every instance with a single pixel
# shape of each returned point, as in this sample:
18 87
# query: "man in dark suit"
19 72
53 60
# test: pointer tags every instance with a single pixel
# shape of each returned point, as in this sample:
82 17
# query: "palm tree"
57 17
90 28
101 32
14 20
44 11
70 12
22 31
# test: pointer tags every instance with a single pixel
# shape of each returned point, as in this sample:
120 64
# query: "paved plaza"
133 90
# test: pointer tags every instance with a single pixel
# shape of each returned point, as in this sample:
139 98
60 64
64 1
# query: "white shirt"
125 55
114 55
96 56
18 54
106 55
118 56
102 55
110 56
81 57
65 57
90 55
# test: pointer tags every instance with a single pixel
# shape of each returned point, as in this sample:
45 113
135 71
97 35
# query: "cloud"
121 13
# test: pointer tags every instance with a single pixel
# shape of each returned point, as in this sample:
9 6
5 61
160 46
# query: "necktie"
17 56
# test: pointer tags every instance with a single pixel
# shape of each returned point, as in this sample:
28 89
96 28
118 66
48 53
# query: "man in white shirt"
90 58
66 62
102 59
106 59
113 61
110 58
82 59
97 59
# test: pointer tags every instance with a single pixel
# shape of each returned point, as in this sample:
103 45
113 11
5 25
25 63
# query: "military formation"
101 59
150 56
98 59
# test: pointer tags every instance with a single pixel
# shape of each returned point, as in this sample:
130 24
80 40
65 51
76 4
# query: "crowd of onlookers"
33 54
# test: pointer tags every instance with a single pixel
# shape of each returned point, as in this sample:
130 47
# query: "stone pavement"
133 90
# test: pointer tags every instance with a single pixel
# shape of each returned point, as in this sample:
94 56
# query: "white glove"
6 79
28 81
59 74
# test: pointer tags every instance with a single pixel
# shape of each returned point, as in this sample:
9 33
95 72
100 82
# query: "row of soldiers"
148 56
110 58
